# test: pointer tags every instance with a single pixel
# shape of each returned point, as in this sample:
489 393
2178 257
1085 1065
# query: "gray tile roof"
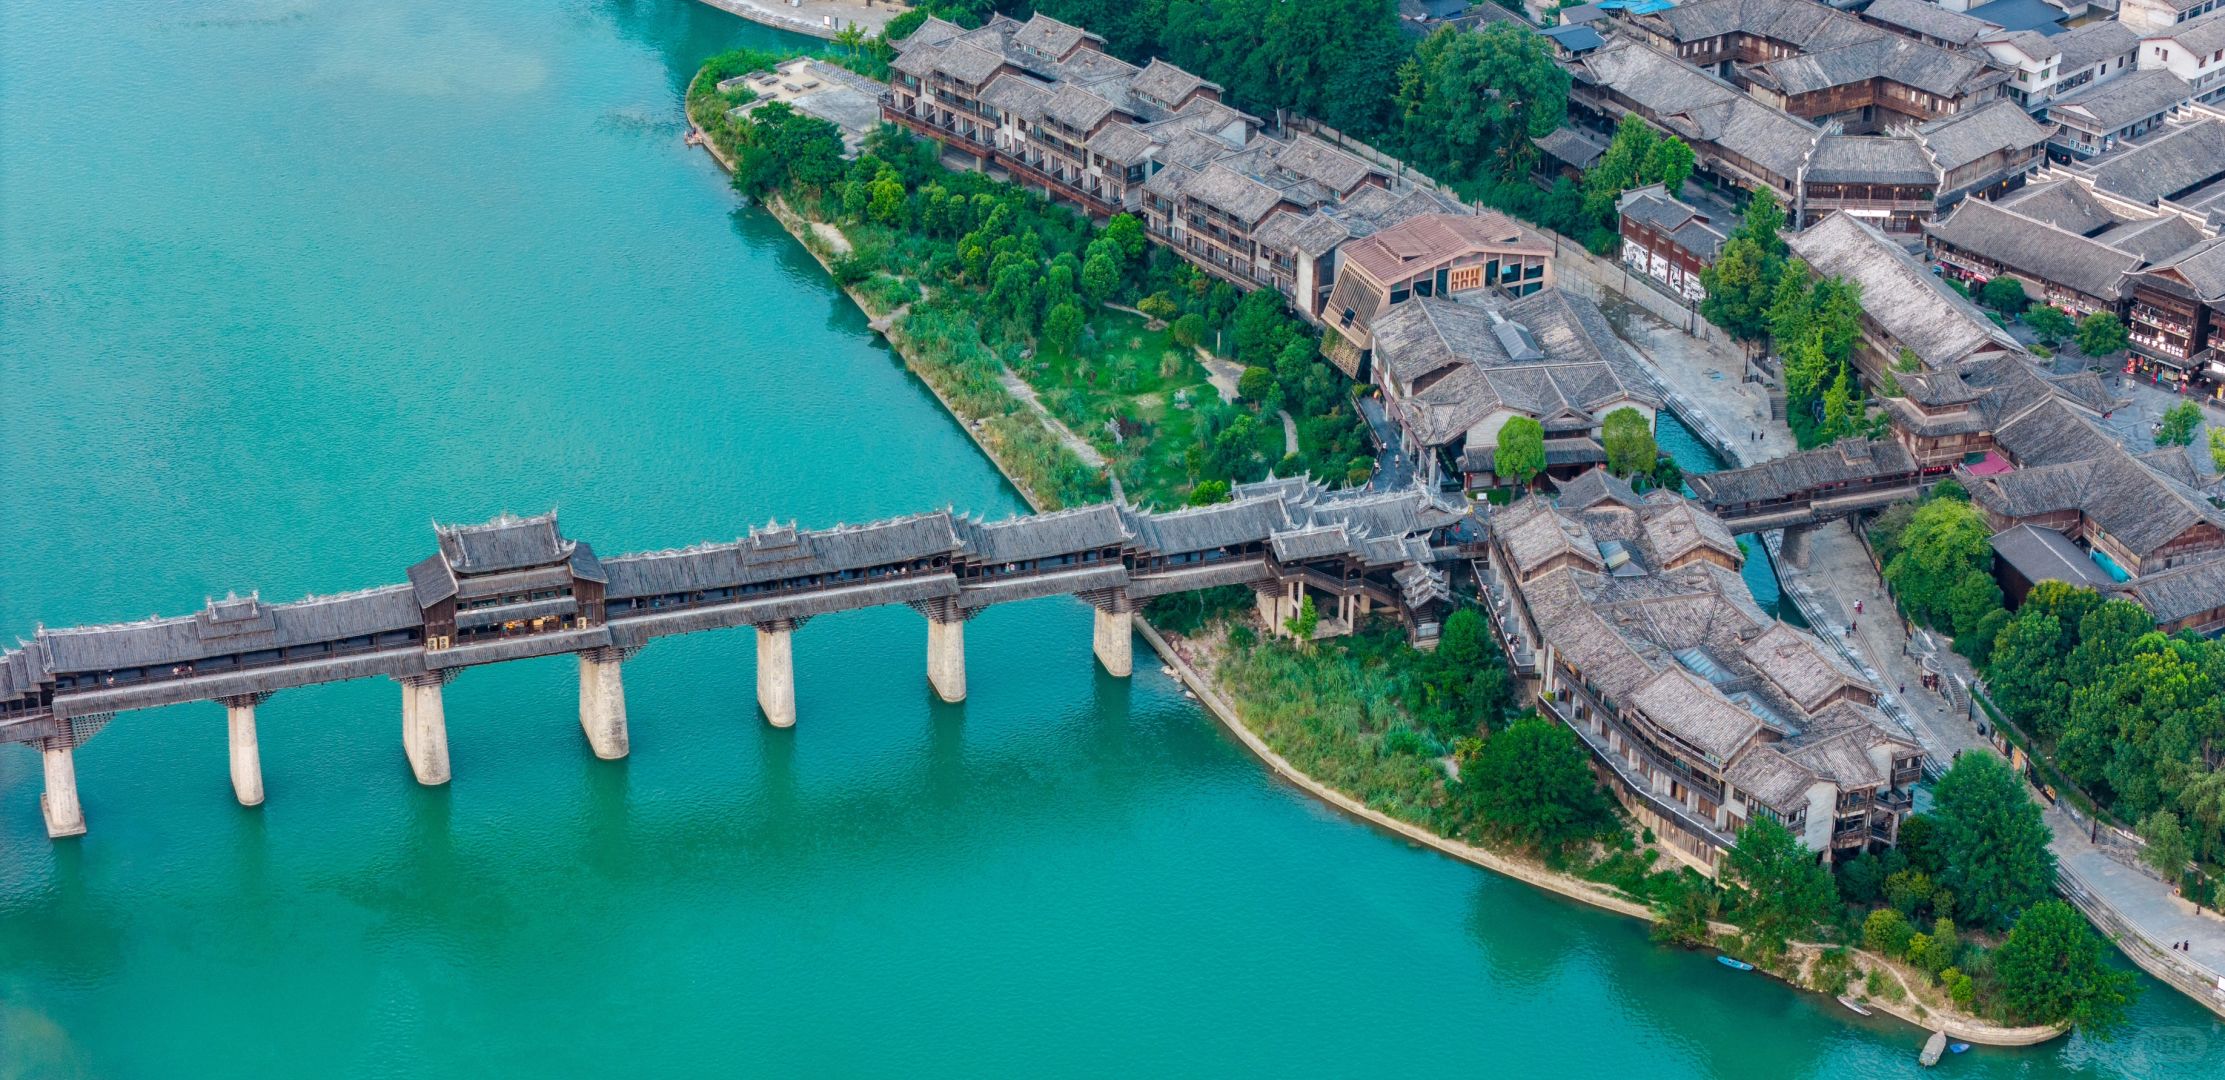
1456 368
2163 164
2153 240
2046 555
1929 20
1676 219
2064 203
1973 134
2084 46
2123 101
1908 301
2037 249
1795 473
1870 159
2180 592
1570 145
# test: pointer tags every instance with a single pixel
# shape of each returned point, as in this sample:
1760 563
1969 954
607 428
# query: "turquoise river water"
281 281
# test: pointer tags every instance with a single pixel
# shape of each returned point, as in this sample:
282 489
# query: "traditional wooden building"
1897 177
1455 372
1668 241
2173 320
1821 64
1904 306
2096 119
1701 720
1441 255
1980 241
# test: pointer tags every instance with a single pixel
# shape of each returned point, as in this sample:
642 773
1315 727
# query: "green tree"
1763 222
2005 294
2203 799
1302 625
1628 439
2169 847
1062 328
1992 842
2025 674
1255 384
1739 287
1208 492
1887 932
887 198
1100 277
2152 715
1189 330
2179 424
1944 543
2217 449
2101 334
1670 164
1520 455
1533 785
1126 233
2051 971
2050 323
1781 891
1468 103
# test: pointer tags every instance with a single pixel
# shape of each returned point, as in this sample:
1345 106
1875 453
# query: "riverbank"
1205 689
818 18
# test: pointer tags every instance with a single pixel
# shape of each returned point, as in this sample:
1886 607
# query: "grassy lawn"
1123 370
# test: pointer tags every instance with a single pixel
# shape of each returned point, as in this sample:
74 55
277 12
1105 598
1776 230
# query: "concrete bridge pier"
64 817
247 755
602 702
776 672
425 728
1277 602
946 658
1113 640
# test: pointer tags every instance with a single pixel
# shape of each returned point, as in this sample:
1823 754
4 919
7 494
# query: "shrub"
1886 932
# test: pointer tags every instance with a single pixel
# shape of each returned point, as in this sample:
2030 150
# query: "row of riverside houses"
1043 102
1701 711
2029 447
1830 112
1448 309
2133 232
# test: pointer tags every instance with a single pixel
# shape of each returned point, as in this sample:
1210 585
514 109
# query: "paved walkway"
1393 468
819 18
1708 376
1836 574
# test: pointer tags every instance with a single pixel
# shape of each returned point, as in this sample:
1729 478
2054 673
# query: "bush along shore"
1039 331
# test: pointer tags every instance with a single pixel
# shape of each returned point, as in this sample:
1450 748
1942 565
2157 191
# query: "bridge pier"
776 672
1113 640
425 728
602 703
1277 602
946 658
64 817
247 755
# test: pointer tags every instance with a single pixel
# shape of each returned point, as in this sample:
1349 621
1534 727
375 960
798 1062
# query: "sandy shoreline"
1565 885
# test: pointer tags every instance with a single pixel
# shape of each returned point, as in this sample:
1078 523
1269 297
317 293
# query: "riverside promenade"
1829 572
819 18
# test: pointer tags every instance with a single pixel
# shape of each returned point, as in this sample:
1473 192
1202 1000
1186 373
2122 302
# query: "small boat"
1853 1006
1933 1047
1167 670
1958 1048
1734 963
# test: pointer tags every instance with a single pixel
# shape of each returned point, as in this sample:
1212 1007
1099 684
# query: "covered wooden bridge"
515 588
